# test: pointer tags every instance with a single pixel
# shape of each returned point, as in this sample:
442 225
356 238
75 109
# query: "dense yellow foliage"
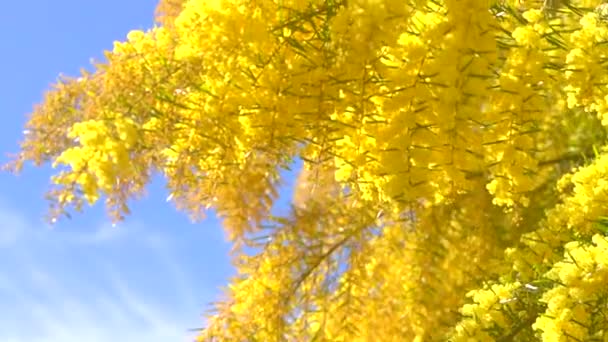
455 157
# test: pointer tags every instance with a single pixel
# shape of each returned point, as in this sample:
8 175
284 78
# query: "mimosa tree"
455 176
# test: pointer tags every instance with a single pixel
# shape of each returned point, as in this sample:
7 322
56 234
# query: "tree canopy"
455 176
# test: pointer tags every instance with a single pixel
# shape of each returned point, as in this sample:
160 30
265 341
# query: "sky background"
148 279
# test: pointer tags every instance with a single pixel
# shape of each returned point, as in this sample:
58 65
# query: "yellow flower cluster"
584 67
487 316
99 162
574 306
580 275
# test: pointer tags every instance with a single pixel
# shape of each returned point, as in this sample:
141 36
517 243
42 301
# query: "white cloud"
15 227
59 292
168 261
12 226
106 232
48 310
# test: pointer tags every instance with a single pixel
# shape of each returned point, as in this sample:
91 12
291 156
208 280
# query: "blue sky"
148 279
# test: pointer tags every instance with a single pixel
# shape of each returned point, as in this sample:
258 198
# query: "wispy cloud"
106 232
75 291
12 226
